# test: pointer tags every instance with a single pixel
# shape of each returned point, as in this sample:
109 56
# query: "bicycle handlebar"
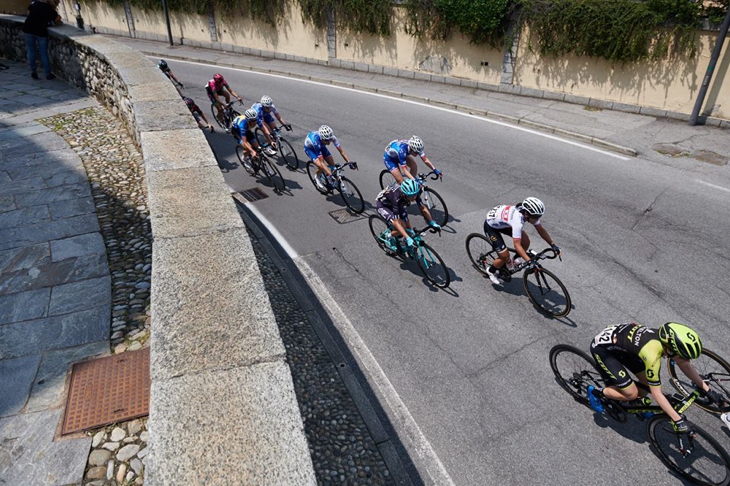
433 178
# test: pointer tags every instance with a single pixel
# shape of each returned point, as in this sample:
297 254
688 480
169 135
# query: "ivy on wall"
369 16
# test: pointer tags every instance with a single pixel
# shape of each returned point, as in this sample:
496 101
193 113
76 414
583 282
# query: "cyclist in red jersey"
216 88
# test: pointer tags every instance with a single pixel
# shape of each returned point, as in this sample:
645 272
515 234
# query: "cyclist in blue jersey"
392 204
242 129
315 145
400 158
266 112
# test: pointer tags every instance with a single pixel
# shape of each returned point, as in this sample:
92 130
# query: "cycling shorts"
615 365
390 163
269 118
494 235
250 137
389 214
313 155
210 93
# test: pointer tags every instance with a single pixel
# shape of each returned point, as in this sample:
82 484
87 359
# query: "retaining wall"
223 408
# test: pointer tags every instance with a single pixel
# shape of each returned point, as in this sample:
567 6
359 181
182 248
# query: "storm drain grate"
108 390
343 216
254 194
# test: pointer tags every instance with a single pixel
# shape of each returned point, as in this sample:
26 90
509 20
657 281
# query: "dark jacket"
40 14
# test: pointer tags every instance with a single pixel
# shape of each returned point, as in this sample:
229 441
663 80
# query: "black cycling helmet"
162 64
682 340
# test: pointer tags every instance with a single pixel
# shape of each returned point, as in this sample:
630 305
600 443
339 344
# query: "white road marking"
712 185
418 103
274 232
404 421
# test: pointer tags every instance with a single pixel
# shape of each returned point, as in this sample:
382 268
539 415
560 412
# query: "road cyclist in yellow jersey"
639 349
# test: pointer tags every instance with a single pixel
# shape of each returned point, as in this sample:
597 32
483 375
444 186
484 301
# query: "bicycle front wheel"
574 371
386 179
351 195
288 155
714 370
312 173
435 205
707 463
245 161
480 252
432 266
546 292
273 174
380 230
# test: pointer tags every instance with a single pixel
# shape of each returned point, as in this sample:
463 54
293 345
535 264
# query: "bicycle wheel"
574 371
480 252
245 161
215 116
273 174
351 195
708 463
378 227
234 115
546 292
386 179
312 173
714 370
435 205
288 155
432 266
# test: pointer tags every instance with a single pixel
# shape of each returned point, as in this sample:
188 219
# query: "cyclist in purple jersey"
400 158
392 205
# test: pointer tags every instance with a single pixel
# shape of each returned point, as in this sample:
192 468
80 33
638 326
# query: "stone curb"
600 143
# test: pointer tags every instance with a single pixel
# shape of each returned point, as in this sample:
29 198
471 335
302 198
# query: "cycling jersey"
392 204
396 153
212 87
262 115
635 346
240 126
191 104
315 147
503 217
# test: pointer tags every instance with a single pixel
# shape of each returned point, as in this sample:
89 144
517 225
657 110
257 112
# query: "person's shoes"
51 76
270 151
34 75
518 261
320 184
594 401
389 241
493 277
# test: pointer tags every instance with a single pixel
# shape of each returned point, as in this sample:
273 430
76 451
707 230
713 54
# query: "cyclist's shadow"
516 288
633 429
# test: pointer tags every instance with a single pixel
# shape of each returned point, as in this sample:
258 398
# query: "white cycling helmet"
326 132
415 144
250 114
266 101
533 206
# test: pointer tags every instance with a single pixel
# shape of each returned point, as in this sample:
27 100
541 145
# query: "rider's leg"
397 175
412 165
502 258
227 95
329 162
626 394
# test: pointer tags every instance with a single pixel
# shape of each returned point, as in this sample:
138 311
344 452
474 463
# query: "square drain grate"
251 195
343 216
108 390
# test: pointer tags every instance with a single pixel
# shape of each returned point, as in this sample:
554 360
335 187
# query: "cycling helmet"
266 101
218 78
250 114
409 187
533 206
681 339
326 132
162 64
189 102
415 144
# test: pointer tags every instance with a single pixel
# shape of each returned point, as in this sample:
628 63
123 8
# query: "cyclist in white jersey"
509 220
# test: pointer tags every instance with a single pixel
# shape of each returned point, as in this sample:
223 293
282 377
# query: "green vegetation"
370 16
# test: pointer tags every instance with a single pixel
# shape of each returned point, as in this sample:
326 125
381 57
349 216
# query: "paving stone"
65 178
24 217
36 144
23 186
17 378
23 306
99 457
56 273
177 116
53 194
118 434
49 230
127 452
57 332
49 385
7 203
41 164
72 207
32 458
23 258
65 298
76 246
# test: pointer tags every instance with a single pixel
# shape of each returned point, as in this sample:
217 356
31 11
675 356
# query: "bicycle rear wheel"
234 115
435 205
714 370
546 292
215 116
288 155
273 174
480 252
708 463
432 266
351 195
245 161
379 227
574 371
386 179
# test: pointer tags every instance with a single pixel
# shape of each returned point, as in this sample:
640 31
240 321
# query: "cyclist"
198 114
392 204
400 158
509 220
632 347
216 88
266 112
315 145
242 129
167 72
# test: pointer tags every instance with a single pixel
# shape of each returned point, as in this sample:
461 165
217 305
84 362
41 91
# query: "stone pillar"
331 35
211 22
511 42
130 19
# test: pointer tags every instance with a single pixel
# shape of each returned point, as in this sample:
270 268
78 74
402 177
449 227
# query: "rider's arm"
661 400
543 232
691 373
230 90
278 117
428 162
343 153
520 251
173 77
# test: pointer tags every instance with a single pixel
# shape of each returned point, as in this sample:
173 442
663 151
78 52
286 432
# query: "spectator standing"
41 14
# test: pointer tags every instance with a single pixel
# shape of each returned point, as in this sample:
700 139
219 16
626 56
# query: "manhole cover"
343 216
250 195
108 390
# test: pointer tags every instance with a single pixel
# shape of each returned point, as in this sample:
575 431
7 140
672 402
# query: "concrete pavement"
55 289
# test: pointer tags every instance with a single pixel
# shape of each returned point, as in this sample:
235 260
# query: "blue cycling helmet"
409 187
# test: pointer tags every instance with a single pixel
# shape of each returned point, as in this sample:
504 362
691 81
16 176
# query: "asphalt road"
643 241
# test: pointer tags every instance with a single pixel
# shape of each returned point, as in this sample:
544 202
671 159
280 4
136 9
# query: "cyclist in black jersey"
638 349
168 72
392 204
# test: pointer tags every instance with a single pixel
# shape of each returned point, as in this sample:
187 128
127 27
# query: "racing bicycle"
430 263
350 193
697 456
229 114
543 288
261 163
431 199
285 149
714 370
